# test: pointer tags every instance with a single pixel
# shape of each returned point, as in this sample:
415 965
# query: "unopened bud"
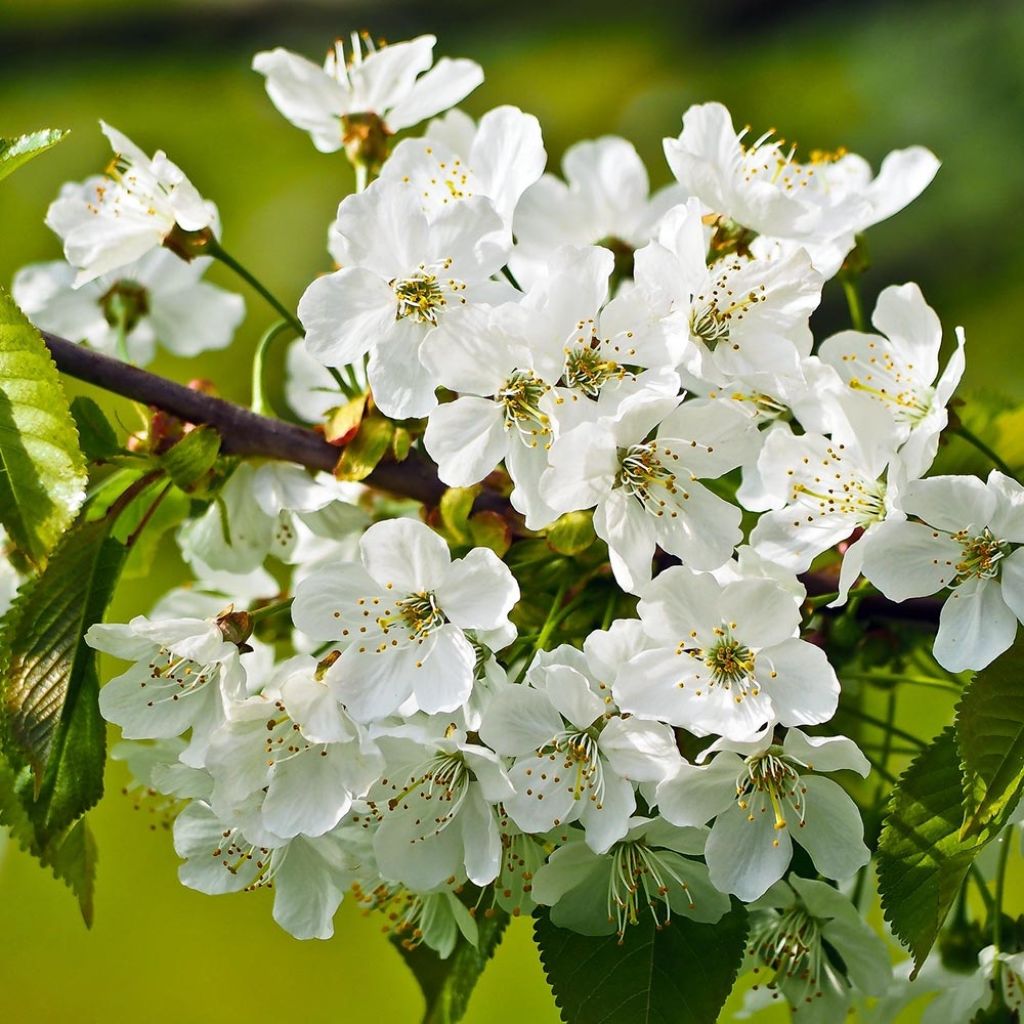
365 137
323 667
236 628
187 245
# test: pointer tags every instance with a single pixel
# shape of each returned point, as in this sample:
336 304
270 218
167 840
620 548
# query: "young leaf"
96 436
990 737
42 472
366 449
19 150
447 984
572 533
681 974
922 861
188 461
50 686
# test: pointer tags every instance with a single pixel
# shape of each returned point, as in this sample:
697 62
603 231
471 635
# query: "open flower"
646 489
157 299
650 871
967 538
897 373
764 799
402 615
604 200
265 508
818 950
736 316
309 877
296 747
576 757
367 96
401 275
725 659
144 203
498 158
762 187
184 674
435 807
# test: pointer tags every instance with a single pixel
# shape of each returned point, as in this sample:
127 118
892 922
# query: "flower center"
640 877
520 395
421 296
125 304
829 490
642 474
790 945
770 777
582 757
731 663
419 614
980 556
434 792
588 371
173 678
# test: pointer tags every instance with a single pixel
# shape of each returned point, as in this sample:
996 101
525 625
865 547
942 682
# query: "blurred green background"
175 74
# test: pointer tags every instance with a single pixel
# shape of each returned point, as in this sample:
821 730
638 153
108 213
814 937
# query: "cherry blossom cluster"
644 358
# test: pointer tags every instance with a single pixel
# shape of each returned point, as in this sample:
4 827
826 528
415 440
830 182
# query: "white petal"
405 555
445 84
467 440
950 502
804 688
639 751
345 314
826 753
907 560
975 626
1012 579
833 833
520 719
745 857
697 793
478 591
309 886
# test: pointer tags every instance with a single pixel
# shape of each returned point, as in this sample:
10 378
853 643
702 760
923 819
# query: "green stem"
986 897
260 403
609 609
890 720
268 611
887 677
997 920
971 438
852 291
882 724
362 176
215 250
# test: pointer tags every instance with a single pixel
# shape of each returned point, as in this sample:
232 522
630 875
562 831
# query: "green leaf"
366 449
490 530
96 436
990 737
922 861
681 974
19 150
42 472
447 984
572 533
73 861
191 459
455 506
50 686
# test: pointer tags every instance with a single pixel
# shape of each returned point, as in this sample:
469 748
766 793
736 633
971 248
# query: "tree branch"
246 433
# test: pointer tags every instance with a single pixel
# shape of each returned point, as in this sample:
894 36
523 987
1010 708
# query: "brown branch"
244 432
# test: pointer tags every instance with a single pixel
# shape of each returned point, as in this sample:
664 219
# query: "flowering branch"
247 433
